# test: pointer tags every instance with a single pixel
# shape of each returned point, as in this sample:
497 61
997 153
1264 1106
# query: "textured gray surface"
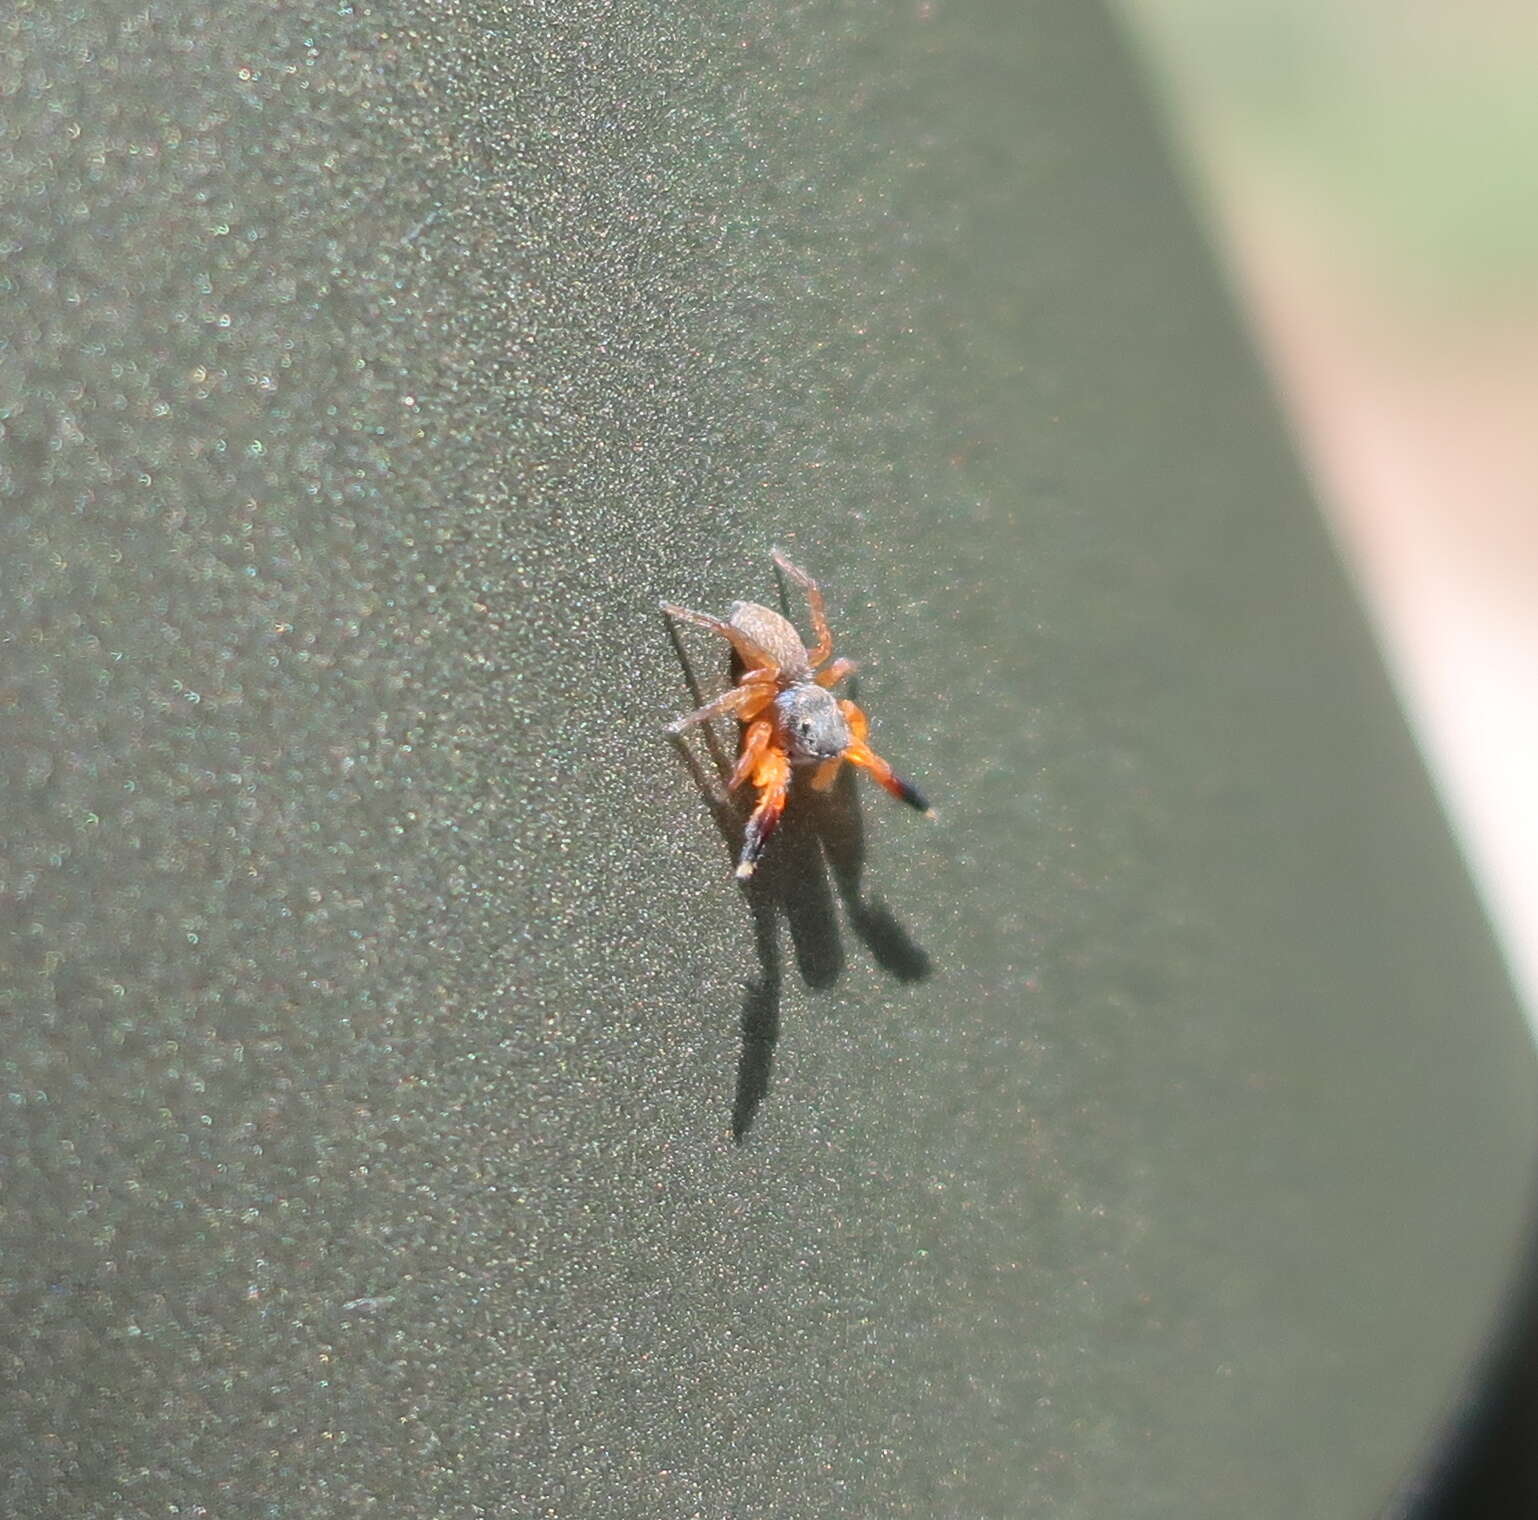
1147 1138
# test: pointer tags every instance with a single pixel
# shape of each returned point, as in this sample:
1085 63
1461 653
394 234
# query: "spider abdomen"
775 635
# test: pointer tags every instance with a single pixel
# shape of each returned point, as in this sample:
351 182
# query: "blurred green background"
1403 132
1370 171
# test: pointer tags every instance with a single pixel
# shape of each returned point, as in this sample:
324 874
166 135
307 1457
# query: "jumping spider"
789 716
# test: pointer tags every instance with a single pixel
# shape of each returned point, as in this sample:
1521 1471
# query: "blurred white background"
1370 170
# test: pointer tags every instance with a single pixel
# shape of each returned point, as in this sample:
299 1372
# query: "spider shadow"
815 861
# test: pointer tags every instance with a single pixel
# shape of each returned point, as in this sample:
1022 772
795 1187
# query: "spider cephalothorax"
788 714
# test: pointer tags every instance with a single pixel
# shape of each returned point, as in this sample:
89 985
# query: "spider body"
789 715
812 724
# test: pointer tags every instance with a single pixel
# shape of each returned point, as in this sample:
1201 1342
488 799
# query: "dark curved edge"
1487 1465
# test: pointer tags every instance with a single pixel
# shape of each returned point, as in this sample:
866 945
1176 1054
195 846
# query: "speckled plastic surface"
403 1112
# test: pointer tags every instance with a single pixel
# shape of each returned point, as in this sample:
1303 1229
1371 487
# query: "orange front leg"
861 754
772 778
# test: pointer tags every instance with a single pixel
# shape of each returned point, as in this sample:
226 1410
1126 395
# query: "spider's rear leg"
751 654
772 778
814 605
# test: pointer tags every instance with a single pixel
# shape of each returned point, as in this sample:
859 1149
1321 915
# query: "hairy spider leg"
745 702
861 754
836 672
772 778
753 657
756 738
814 604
